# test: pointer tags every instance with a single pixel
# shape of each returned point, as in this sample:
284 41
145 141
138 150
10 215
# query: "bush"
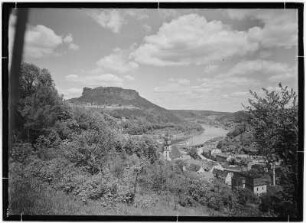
245 196
186 201
22 196
193 152
117 167
20 152
89 149
47 146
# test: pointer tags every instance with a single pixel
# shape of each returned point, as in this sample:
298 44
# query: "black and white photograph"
153 109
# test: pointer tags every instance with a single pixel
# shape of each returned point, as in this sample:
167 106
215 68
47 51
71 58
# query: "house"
224 175
221 157
238 181
214 152
256 183
166 153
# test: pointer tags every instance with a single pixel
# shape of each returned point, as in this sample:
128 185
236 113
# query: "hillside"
125 103
199 114
204 116
240 139
226 120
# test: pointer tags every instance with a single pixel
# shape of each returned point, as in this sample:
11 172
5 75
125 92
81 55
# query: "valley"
111 151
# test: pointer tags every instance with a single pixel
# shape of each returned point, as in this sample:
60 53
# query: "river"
209 133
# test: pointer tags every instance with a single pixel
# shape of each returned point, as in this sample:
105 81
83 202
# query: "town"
235 170
125 110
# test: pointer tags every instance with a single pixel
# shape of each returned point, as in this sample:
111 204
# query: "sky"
200 59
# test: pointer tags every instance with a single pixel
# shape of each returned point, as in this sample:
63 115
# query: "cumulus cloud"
96 80
139 14
219 90
211 91
129 77
168 13
40 41
222 82
175 85
118 61
71 76
73 46
203 87
110 19
147 28
191 39
236 94
69 40
240 93
114 20
279 30
270 70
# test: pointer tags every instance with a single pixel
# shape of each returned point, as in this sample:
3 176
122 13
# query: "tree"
274 121
193 152
39 106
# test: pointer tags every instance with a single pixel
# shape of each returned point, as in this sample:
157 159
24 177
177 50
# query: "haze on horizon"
193 59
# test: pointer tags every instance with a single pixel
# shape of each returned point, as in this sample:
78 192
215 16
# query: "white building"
166 153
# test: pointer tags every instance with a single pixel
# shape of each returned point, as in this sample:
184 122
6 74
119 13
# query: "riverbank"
210 132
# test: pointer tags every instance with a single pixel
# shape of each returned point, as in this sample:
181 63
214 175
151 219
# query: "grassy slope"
32 197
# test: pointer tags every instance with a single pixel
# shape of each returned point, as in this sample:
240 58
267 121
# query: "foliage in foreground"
81 155
274 120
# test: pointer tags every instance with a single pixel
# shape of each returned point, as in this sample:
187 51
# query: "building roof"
216 150
232 168
259 182
223 155
257 179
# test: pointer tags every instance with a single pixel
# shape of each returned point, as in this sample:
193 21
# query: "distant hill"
223 119
240 138
125 103
204 116
236 117
186 114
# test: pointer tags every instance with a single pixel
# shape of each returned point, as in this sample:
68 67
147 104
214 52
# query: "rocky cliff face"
115 96
103 94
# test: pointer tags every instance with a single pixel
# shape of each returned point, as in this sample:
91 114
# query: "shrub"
117 167
89 149
186 201
20 151
193 153
47 146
